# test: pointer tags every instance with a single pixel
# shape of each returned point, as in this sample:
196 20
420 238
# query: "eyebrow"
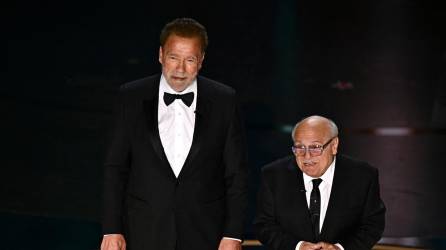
311 142
176 54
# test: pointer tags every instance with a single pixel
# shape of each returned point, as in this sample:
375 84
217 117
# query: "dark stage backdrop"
376 67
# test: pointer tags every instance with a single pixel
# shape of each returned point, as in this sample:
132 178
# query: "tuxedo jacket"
355 212
146 202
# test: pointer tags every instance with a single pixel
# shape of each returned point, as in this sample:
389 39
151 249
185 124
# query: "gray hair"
333 128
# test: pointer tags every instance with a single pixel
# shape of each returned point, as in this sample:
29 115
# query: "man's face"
310 135
181 60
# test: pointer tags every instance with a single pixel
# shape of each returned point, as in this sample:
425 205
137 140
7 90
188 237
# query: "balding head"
317 121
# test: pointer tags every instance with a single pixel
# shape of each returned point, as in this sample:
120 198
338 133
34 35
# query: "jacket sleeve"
236 174
268 231
371 226
116 169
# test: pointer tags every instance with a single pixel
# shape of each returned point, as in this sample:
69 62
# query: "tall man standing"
176 171
316 199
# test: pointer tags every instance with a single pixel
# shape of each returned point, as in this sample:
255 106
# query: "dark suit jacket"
142 197
355 213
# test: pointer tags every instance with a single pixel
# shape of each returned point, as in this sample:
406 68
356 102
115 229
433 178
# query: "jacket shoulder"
141 87
214 87
280 165
355 167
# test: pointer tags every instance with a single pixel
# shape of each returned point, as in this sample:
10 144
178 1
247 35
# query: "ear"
334 146
160 55
201 62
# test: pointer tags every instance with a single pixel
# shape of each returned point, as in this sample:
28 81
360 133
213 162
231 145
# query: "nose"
307 154
181 66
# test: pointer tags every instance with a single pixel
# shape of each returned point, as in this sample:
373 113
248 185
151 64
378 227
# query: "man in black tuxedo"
317 199
176 171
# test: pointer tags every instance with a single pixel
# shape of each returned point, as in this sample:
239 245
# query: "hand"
229 244
113 242
310 246
328 246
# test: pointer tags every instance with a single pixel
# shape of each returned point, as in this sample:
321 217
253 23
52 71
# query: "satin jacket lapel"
151 113
338 189
204 106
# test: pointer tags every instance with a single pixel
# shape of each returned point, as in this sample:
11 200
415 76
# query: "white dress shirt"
176 124
324 189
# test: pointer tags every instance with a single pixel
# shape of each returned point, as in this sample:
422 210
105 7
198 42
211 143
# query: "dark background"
377 68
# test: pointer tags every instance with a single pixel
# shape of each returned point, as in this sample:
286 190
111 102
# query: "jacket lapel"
204 106
338 189
150 106
301 199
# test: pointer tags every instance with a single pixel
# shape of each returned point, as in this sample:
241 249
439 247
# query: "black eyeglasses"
314 150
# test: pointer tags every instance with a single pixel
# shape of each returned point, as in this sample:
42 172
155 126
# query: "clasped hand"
318 246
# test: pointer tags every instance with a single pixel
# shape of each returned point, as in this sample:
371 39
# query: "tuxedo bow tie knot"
187 98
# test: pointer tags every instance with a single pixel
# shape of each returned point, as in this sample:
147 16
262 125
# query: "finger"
119 245
113 245
319 245
105 244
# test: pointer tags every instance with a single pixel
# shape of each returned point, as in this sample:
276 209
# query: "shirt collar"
327 177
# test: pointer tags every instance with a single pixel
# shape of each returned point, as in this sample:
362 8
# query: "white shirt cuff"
298 245
339 245
239 240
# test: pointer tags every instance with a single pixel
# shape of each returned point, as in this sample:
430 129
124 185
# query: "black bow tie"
187 98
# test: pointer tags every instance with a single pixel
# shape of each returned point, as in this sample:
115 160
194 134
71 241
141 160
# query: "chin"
312 172
183 82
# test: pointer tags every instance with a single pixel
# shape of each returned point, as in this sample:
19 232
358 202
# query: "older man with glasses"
317 199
